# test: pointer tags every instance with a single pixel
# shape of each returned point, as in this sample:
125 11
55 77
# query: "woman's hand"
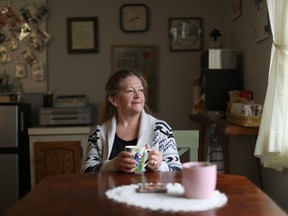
125 163
154 159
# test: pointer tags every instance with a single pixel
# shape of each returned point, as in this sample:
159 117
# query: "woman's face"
130 99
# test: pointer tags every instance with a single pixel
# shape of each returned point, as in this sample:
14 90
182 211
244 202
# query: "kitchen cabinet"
56 150
56 158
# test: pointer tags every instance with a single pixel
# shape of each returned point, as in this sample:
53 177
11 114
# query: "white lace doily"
173 200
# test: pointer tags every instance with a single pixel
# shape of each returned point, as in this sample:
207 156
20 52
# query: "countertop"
60 130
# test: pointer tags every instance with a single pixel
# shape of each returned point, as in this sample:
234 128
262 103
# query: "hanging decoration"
23 42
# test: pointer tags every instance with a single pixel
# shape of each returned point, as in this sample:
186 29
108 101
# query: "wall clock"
134 18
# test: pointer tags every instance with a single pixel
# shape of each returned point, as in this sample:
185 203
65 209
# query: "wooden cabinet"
56 150
56 158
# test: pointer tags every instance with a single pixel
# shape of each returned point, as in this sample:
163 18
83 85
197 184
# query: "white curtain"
272 141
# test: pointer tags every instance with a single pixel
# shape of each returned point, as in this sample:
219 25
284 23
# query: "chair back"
187 142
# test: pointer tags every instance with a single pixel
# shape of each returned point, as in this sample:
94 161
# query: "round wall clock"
134 17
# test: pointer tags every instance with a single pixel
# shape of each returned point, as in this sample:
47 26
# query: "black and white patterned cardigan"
152 131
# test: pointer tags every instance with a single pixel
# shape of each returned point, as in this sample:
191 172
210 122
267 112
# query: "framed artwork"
141 58
236 9
185 34
82 35
262 25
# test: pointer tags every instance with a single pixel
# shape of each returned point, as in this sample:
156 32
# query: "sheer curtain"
272 141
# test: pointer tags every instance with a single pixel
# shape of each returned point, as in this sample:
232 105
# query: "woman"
127 122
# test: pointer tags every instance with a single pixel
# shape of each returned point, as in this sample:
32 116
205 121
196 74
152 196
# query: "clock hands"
133 19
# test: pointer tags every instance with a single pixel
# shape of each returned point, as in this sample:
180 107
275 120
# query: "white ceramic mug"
199 179
140 154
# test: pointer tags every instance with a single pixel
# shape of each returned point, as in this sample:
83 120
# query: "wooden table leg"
225 149
201 149
202 139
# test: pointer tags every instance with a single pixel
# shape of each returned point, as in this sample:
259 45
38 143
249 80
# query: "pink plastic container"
199 179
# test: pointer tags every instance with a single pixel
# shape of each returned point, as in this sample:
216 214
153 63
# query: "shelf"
59 130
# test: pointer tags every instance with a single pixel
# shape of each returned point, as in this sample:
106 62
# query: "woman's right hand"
124 163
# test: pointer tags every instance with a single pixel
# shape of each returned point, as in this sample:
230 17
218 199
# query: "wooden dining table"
84 194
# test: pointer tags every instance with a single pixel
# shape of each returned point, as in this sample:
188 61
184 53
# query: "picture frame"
142 58
236 9
262 27
185 34
82 35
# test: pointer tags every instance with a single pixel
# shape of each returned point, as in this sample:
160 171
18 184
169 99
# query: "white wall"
87 73
256 55
256 68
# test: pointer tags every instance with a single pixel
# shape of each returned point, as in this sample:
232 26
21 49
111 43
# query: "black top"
119 145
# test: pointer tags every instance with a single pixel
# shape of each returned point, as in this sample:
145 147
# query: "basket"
246 121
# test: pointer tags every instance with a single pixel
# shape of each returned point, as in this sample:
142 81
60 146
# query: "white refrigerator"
14 153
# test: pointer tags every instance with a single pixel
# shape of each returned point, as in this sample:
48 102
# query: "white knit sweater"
152 131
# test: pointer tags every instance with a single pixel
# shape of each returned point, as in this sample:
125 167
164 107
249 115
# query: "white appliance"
71 101
220 59
68 116
14 153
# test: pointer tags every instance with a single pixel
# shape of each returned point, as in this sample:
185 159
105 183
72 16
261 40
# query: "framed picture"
141 58
82 35
236 9
262 25
185 34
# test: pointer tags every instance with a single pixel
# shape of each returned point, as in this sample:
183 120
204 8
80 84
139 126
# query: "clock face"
134 18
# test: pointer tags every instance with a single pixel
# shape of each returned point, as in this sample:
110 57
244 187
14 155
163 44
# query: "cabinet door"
56 158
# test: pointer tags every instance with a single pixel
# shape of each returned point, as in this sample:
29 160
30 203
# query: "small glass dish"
151 188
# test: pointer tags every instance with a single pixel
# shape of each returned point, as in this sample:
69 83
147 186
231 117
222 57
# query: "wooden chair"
187 142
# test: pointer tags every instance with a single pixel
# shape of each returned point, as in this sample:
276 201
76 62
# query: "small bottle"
20 95
19 91
48 100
